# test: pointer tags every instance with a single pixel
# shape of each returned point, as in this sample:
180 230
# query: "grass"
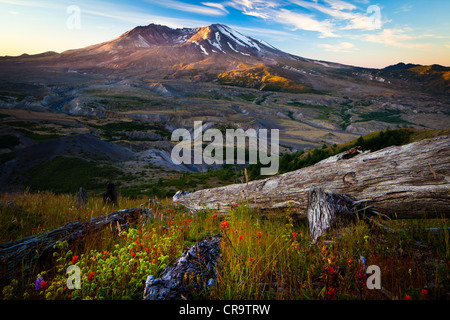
388 116
118 128
68 174
263 256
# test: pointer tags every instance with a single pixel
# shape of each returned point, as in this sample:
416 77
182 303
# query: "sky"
362 33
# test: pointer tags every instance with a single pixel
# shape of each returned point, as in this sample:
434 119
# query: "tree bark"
408 181
34 249
194 271
331 211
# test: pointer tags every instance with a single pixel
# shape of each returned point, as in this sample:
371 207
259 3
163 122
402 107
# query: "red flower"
259 234
44 285
91 276
214 215
331 293
424 293
240 237
330 271
133 254
137 241
361 278
224 225
407 297
74 259
294 234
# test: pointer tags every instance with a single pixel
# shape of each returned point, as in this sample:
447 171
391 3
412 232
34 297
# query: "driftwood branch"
408 181
16 254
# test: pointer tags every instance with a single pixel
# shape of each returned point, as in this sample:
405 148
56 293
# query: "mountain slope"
204 53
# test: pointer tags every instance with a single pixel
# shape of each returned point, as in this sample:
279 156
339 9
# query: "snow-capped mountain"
218 52
146 48
216 38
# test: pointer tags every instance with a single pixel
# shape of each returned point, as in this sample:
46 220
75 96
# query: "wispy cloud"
327 18
306 22
275 12
340 47
341 12
209 9
340 5
397 37
216 5
404 8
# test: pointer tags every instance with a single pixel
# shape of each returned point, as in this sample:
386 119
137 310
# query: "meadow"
263 256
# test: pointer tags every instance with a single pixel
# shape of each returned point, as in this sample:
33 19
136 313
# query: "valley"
116 104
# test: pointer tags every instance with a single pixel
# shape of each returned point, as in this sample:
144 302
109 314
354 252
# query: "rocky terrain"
117 102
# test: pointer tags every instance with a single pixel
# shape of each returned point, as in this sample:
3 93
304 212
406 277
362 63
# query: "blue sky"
358 32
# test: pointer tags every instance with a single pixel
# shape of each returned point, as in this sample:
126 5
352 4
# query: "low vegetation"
263 256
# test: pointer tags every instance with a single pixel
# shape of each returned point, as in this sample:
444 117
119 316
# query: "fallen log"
407 181
21 253
194 271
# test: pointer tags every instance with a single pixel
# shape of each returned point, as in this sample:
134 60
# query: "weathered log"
34 249
405 181
194 271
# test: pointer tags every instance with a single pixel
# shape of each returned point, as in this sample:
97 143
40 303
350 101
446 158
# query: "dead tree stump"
194 271
81 198
111 195
327 211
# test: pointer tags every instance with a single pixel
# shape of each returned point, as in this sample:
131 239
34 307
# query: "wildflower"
153 261
44 285
240 237
137 241
224 225
331 293
133 254
294 234
407 297
424 293
39 280
146 249
330 271
361 278
91 276
74 259
214 215
259 235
